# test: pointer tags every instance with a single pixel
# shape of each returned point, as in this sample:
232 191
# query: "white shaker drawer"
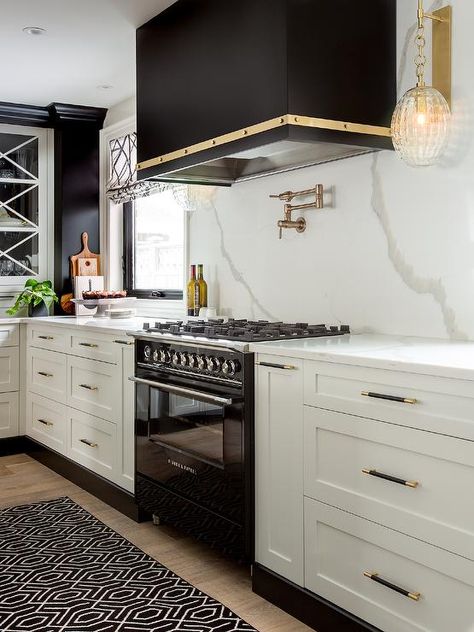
360 465
93 443
9 369
341 549
9 336
95 348
95 387
46 374
9 415
46 422
441 405
46 338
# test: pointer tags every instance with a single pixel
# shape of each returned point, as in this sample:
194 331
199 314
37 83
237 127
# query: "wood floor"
23 480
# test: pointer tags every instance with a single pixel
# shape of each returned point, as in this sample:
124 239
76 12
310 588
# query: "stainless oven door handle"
179 390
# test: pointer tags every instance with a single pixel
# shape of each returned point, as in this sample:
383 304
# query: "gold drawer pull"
46 337
88 387
45 423
392 479
90 345
390 398
45 374
124 342
91 444
415 596
286 367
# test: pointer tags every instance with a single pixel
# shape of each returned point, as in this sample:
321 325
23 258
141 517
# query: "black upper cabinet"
206 68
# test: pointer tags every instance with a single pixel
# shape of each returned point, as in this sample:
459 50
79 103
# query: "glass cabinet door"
23 201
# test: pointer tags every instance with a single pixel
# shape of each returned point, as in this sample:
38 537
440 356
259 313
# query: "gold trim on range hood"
251 130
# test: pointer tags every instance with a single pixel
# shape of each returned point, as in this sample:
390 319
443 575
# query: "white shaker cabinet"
279 466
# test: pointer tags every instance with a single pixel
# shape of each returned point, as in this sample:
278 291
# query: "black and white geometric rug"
62 570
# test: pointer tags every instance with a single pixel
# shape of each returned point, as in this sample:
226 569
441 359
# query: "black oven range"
194 418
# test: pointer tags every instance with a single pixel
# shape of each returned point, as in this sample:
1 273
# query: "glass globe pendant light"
421 120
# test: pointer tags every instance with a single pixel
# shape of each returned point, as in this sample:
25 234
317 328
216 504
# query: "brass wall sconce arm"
287 196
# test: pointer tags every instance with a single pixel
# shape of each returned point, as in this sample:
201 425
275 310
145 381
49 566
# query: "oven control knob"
219 363
147 352
193 361
201 361
211 364
164 355
156 355
176 359
184 361
230 367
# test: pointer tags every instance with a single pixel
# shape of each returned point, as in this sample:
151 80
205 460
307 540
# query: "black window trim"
128 263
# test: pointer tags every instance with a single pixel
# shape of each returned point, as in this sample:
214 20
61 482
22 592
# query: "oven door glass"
191 447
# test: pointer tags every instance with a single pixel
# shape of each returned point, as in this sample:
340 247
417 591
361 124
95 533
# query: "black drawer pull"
89 345
392 479
415 596
44 374
45 423
88 387
46 337
91 444
286 367
390 398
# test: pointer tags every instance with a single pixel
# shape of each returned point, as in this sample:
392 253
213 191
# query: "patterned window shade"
123 185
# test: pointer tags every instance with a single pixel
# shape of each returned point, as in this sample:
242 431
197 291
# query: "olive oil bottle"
191 291
202 289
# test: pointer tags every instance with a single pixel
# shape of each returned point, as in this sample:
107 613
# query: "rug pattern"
62 570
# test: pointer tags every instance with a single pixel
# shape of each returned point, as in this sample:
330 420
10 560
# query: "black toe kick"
314 611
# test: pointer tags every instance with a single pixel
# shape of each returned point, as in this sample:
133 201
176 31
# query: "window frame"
129 262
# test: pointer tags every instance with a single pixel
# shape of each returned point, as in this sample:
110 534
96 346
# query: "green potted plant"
37 296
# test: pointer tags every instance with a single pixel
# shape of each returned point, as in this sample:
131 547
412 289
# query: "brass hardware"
89 345
286 367
299 224
45 423
415 596
91 444
89 388
46 337
390 398
442 51
265 126
45 374
123 342
391 479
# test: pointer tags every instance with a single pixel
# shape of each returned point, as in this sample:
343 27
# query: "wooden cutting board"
85 263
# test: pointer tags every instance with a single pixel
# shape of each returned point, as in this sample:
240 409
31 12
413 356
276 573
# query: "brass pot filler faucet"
299 224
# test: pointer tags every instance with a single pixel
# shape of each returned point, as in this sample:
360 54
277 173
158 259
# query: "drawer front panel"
341 547
9 415
95 387
9 369
441 405
9 336
360 465
46 338
95 348
47 374
93 443
46 422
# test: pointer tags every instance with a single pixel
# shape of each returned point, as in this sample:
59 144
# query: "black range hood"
229 90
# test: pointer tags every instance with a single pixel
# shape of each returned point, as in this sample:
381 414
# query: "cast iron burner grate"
245 330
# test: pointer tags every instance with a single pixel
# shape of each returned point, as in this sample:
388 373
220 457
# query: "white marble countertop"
426 356
105 325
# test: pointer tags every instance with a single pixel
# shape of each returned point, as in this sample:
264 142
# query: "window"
154 247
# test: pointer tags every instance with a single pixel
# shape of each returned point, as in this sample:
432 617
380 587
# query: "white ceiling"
88 43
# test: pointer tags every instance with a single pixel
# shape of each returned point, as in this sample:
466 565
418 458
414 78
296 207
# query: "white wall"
395 254
121 111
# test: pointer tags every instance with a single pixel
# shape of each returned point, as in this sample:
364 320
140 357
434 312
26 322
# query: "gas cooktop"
243 330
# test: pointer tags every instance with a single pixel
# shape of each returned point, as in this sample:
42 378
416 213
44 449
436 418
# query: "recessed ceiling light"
105 86
34 30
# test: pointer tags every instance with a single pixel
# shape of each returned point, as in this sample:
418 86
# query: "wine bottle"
192 284
202 287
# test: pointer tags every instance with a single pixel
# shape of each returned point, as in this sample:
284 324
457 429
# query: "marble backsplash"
392 252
